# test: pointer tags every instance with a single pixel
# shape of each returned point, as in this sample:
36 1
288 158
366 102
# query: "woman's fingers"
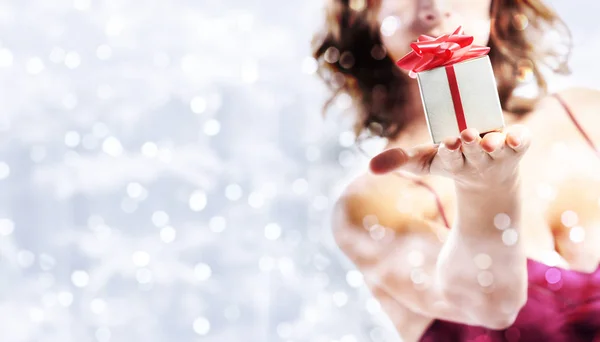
457 157
518 138
450 156
499 145
493 144
472 149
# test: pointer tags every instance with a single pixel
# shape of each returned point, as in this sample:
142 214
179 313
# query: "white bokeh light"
35 66
249 72
217 224
354 278
272 231
25 258
80 278
6 58
233 192
577 234
256 200
510 237
389 25
114 25
98 306
140 258
100 130
65 298
70 101
502 221
300 186
340 298
569 218
112 146
135 190
284 329
160 218
149 149
309 65
483 261
4 170
212 127
347 139
72 60
82 5
201 326
72 139
198 200
198 105
103 334
103 52
7 227
348 338
202 271
168 234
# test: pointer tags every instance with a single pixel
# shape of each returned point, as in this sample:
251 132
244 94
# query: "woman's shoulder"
575 99
388 199
581 95
553 110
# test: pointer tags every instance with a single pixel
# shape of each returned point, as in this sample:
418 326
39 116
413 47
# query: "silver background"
83 205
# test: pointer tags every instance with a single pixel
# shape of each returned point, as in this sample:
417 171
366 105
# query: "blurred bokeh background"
166 174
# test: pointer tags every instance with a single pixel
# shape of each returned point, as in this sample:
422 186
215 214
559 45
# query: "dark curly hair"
353 60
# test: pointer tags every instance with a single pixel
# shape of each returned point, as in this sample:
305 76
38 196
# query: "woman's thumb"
388 160
416 160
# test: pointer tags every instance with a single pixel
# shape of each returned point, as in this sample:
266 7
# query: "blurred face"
402 21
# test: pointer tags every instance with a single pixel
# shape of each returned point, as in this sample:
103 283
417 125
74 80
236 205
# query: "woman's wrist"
479 206
484 188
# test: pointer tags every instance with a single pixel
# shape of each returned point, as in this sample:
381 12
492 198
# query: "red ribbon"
459 112
429 52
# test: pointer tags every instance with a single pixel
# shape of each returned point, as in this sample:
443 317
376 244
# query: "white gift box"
459 96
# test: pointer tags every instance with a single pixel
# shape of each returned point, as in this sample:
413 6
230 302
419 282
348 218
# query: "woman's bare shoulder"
389 199
550 114
580 95
580 100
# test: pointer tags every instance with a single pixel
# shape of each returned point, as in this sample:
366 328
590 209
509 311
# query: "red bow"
429 52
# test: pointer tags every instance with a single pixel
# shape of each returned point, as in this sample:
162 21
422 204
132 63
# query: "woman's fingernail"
455 145
492 143
515 141
450 144
467 136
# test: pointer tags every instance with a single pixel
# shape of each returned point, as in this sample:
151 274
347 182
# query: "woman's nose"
430 13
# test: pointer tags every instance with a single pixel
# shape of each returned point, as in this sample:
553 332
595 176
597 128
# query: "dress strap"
577 124
438 201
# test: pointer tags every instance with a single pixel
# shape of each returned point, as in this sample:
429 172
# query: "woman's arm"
478 275
445 280
483 255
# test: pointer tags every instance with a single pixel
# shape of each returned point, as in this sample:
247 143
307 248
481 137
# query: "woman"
520 262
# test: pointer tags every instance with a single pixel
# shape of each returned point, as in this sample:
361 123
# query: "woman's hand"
470 160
